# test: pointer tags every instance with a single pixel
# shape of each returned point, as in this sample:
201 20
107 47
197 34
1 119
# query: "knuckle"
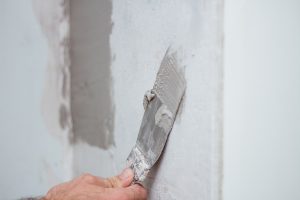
87 177
113 182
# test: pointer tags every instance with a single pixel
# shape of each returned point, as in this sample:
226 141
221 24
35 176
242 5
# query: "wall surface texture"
34 154
73 76
190 167
140 33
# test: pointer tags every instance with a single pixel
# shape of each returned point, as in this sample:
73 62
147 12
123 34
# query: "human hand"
89 187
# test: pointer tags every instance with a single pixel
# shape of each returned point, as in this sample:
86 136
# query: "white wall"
35 151
261 91
262 95
141 33
31 159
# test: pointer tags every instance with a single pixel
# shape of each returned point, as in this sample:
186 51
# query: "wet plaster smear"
111 53
91 85
91 99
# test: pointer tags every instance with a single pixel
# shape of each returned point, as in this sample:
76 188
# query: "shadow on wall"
91 95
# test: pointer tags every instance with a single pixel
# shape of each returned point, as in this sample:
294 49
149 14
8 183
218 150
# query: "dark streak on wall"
91 97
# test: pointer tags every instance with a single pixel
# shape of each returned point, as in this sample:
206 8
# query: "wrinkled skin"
89 187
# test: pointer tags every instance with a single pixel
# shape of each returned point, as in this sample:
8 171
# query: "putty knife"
161 105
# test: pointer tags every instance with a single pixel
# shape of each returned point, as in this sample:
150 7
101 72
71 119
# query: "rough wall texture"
191 164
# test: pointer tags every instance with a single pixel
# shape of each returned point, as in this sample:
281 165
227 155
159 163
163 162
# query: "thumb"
122 180
126 177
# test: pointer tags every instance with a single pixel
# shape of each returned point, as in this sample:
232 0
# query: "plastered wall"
67 76
190 167
40 146
34 152
140 34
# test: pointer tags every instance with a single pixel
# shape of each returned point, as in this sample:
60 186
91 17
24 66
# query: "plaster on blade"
161 105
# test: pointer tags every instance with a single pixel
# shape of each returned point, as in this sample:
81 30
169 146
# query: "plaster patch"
91 95
149 95
164 118
63 116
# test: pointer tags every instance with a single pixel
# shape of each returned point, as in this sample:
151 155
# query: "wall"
141 32
190 166
33 157
262 95
52 80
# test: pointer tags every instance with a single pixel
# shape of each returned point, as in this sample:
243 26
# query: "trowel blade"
158 119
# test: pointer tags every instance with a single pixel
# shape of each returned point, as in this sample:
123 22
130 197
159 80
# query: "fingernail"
126 173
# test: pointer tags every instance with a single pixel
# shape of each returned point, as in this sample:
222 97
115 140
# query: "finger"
126 177
122 180
136 192
133 192
90 179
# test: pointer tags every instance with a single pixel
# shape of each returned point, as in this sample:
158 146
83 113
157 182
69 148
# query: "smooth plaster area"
91 95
